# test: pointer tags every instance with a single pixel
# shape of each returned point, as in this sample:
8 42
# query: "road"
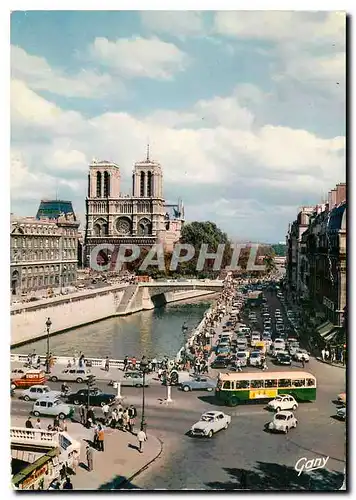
268 459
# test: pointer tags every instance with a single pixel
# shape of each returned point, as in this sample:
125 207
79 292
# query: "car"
52 407
71 375
96 397
210 423
301 354
283 358
242 357
223 349
133 379
341 398
198 384
255 358
341 413
220 362
283 402
39 391
283 421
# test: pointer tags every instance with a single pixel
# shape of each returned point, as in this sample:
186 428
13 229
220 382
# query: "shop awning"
325 328
337 335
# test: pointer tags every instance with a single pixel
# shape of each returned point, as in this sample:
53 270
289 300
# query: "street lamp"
143 368
48 326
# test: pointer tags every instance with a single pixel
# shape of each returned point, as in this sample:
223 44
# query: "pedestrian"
120 419
38 424
100 438
106 410
56 423
327 354
141 436
82 413
96 436
154 364
90 458
303 362
28 423
132 416
107 364
126 360
133 363
75 462
160 372
126 420
90 418
68 484
323 354
62 426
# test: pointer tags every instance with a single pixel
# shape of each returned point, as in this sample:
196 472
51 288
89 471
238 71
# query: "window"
227 384
106 184
50 405
270 383
256 384
33 389
98 185
310 382
43 404
284 383
149 184
298 383
242 384
142 184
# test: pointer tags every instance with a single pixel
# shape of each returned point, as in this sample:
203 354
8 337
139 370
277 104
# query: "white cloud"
280 26
39 75
174 23
140 57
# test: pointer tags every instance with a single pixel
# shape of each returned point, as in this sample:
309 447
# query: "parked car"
283 421
341 413
39 391
52 407
210 423
71 375
198 384
283 402
96 397
242 357
133 379
301 354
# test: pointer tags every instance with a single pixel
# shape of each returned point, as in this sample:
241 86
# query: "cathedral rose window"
123 226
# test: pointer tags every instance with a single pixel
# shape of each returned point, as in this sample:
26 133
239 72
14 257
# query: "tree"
197 233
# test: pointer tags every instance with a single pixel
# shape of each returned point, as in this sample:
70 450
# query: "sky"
245 111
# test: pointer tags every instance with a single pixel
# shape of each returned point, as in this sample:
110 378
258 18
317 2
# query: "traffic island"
119 464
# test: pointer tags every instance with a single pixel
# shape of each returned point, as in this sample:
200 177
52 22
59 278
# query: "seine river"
154 333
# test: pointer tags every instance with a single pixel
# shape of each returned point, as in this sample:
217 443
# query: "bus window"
284 383
270 383
242 384
310 382
227 385
256 384
298 383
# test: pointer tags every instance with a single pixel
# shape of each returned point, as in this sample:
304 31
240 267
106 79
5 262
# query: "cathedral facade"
142 217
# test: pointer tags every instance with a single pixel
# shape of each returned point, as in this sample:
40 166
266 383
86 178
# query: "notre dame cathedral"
142 218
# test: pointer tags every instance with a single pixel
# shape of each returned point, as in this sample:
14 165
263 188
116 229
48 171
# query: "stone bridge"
160 287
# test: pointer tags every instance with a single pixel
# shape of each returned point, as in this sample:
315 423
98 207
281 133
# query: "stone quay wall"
85 307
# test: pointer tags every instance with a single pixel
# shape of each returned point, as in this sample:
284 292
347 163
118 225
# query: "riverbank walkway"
117 465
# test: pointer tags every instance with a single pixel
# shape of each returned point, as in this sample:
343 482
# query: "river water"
152 333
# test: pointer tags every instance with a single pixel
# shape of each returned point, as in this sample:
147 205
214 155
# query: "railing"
63 360
21 435
199 283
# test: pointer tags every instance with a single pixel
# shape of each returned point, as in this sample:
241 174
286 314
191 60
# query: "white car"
255 358
283 421
279 343
283 402
72 375
301 354
39 391
210 423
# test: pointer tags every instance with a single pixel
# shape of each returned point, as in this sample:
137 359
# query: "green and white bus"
236 388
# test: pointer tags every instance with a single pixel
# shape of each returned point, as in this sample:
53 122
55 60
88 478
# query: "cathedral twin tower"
140 218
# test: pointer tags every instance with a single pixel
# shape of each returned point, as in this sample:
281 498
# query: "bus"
236 388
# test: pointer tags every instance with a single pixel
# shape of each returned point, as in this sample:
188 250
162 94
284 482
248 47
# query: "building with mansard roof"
142 217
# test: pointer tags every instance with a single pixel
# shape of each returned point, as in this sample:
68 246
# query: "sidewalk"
338 365
118 464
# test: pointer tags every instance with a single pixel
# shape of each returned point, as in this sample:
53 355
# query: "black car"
96 397
220 362
283 359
